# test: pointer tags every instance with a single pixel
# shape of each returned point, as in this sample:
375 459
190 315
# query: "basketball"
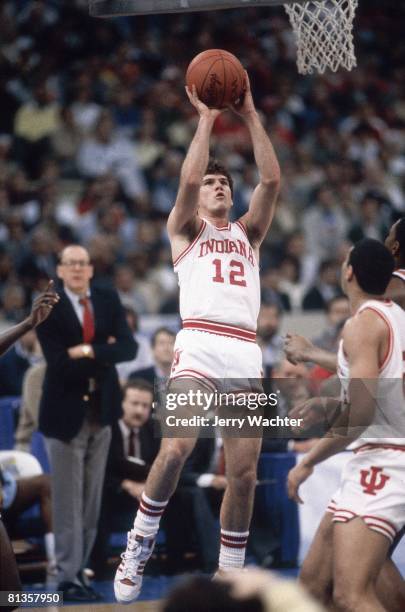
218 76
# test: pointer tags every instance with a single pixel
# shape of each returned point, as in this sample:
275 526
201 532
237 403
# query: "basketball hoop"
323 28
324 34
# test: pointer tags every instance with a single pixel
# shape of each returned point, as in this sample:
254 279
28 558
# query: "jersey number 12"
235 276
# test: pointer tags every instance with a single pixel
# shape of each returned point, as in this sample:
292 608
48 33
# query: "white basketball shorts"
212 359
373 487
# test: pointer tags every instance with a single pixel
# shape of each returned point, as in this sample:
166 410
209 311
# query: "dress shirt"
75 301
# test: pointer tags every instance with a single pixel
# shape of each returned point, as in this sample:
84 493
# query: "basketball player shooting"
217 266
368 510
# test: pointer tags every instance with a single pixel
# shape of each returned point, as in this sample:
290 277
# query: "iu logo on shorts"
373 480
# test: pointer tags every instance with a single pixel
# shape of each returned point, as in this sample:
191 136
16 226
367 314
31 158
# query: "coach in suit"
82 340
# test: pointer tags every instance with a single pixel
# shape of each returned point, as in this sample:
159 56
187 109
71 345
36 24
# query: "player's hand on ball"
43 304
296 477
202 108
246 105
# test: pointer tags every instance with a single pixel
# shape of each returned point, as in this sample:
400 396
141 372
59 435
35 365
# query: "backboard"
111 8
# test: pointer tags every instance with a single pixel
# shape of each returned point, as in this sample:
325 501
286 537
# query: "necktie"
88 320
134 449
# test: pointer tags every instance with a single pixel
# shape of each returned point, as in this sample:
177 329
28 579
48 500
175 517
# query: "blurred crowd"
95 124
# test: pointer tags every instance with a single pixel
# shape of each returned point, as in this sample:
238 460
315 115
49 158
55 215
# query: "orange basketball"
218 76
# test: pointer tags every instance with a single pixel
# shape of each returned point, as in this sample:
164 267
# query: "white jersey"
389 418
219 281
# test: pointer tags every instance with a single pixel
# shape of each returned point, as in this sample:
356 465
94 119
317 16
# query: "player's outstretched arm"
263 203
183 217
299 349
41 309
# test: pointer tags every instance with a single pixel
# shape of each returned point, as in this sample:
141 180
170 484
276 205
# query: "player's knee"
175 455
243 482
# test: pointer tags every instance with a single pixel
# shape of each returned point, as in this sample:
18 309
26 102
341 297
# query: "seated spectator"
370 223
22 492
143 359
290 284
65 142
125 111
39 261
296 247
167 182
269 338
35 123
337 312
324 224
325 288
293 383
85 111
105 152
133 449
13 301
162 344
125 284
29 410
271 290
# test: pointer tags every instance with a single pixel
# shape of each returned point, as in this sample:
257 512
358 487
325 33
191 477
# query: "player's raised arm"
366 341
263 203
183 218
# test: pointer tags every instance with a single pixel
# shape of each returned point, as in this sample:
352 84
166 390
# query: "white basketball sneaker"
128 577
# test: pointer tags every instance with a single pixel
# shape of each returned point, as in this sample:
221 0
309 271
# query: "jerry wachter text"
249 420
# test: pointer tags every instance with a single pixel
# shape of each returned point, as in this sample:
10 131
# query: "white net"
323 30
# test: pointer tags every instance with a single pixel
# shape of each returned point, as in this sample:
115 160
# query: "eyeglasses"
71 263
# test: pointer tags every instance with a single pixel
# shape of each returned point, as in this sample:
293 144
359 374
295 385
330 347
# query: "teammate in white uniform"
370 506
316 570
217 265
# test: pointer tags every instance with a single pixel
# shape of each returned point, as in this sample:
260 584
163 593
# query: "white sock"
233 549
50 546
148 516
